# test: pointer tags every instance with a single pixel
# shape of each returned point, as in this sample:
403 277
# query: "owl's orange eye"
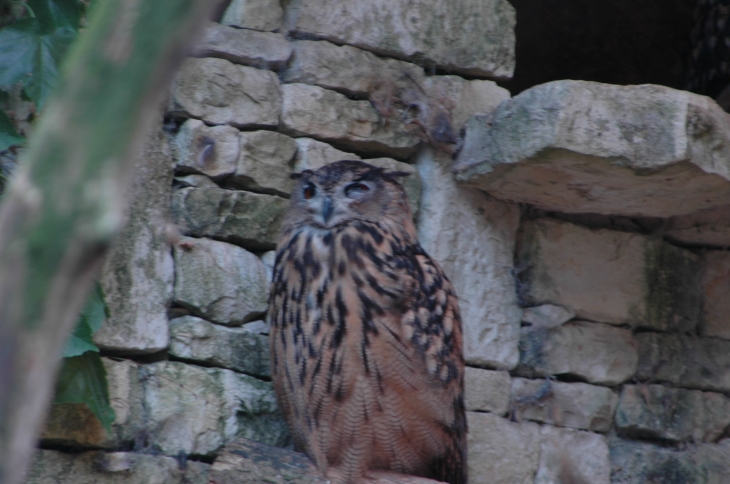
356 189
309 191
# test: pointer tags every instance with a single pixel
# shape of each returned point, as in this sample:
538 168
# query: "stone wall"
582 224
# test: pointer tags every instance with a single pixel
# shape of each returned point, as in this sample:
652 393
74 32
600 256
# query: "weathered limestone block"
332 117
247 219
50 466
705 227
220 281
264 162
486 390
210 150
575 405
265 50
238 349
138 273
474 37
348 70
716 289
578 146
220 92
196 410
248 462
639 463
463 99
698 363
656 411
263 15
643 282
196 181
547 316
472 236
596 352
568 456
256 327
500 451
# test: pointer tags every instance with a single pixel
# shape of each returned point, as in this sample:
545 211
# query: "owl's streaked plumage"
365 331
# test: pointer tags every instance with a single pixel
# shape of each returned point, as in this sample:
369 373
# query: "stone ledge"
265 50
265 15
577 146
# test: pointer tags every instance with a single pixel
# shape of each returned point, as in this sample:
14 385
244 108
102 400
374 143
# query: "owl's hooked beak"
327 209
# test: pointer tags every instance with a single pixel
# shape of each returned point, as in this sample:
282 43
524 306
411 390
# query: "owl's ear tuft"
297 176
396 174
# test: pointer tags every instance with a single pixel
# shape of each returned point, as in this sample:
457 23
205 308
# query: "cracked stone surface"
578 146
266 50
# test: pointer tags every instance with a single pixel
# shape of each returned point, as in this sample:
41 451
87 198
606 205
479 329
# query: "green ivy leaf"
90 320
31 53
82 379
8 135
57 13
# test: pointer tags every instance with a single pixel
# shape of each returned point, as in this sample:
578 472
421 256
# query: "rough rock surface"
238 349
50 466
575 405
486 390
349 70
219 92
595 352
210 150
500 451
474 37
641 463
264 162
643 282
546 316
463 99
472 236
578 146
247 219
263 15
705 227
659 412
572 456
330 116
138 272
220 281
716 292
686 361
266 50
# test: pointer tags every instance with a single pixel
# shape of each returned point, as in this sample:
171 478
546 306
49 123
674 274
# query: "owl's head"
346 191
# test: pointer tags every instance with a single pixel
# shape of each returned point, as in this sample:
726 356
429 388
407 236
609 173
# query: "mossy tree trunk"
67 200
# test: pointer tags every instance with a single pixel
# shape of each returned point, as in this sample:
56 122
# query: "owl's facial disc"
334 206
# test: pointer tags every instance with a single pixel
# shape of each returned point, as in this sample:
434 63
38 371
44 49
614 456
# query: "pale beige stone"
472 236
263 15
596 352
219 281
349 70
463 99
585 147
330 116
313 154
266 50
610 276
486 390
572 456
547 316
464 36
500 451
575 405
137 274
264 162
716 292
210 150
220 92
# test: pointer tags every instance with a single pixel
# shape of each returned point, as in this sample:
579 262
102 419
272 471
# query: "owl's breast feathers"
367 351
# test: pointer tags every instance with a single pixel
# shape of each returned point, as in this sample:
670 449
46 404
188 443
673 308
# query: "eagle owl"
366 334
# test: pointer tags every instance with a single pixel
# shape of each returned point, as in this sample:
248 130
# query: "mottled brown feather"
366 338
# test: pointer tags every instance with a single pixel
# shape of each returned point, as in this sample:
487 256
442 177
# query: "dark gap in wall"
610 41
139 358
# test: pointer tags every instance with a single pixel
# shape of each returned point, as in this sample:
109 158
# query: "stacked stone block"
597 350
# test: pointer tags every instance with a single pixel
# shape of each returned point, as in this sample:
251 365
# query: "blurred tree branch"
66 202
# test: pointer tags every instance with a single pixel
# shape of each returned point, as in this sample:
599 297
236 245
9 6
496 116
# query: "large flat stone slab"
486 390
709 227
610 276
265 15
716 294
475 37
578 146
266 50
572 456
250 220
220 92
472 236
685 361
